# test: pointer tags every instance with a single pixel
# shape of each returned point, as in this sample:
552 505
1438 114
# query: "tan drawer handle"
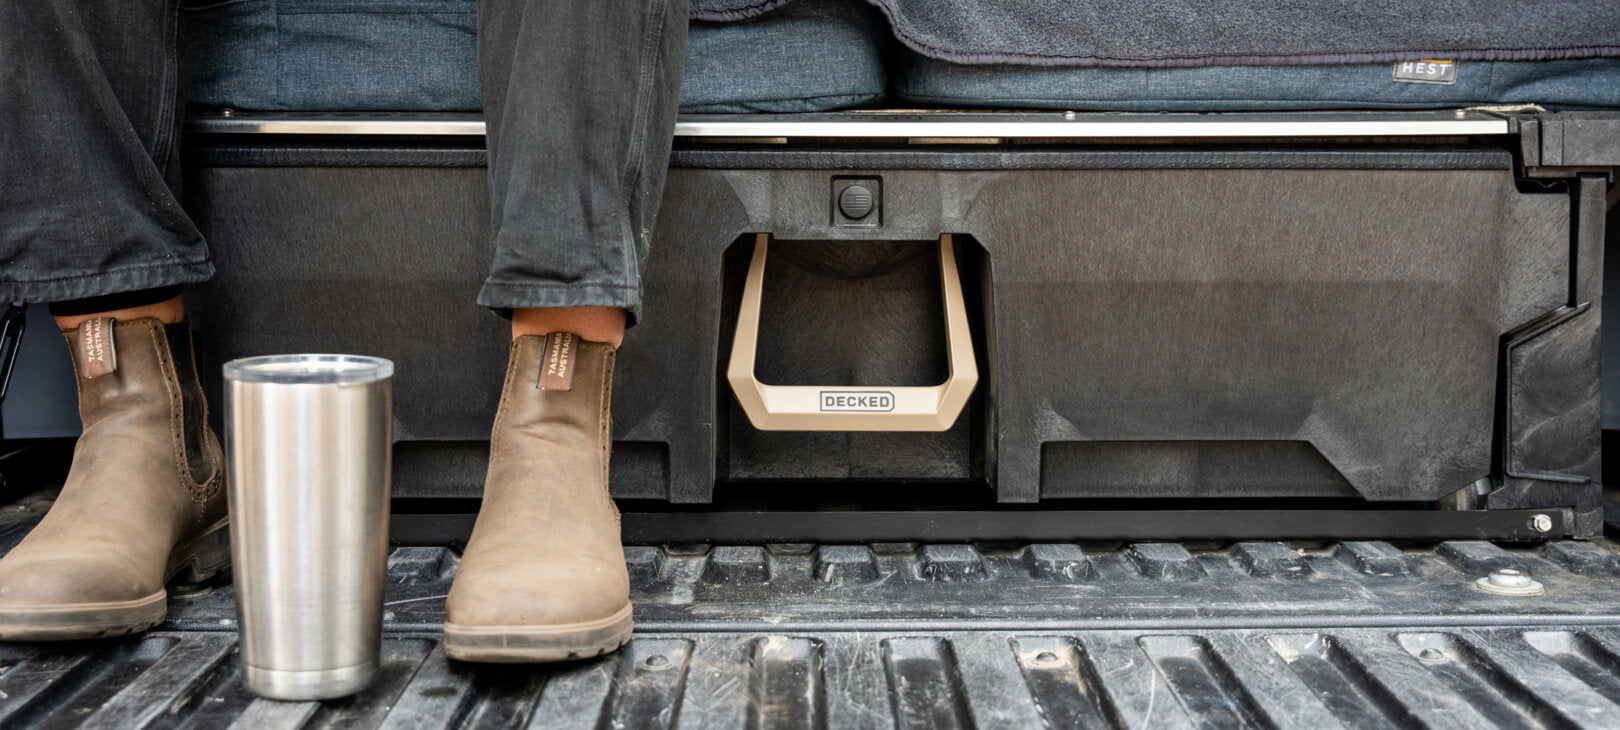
853 408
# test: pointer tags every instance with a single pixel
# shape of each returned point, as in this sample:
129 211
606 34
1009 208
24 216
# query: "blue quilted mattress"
421 55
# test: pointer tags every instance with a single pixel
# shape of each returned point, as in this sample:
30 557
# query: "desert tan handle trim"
853 408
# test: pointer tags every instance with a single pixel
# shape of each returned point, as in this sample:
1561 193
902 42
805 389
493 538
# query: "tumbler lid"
309 368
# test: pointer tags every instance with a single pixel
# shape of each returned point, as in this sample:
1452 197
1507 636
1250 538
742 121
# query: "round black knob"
855 202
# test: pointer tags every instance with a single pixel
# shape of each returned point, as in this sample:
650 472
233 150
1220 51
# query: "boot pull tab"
96 348
557 367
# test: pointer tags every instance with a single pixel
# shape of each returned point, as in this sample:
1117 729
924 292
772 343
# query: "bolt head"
1509 578
1509 582
1541 523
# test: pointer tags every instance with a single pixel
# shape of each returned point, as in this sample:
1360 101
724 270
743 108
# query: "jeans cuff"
103 283
503 297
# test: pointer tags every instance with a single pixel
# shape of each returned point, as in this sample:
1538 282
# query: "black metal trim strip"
1278 622
653 528
1262 622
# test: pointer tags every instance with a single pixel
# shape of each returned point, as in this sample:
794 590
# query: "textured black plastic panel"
1358 312
1418 676
901 586
887 635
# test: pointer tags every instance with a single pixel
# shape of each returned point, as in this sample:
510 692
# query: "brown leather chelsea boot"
543 576
142 502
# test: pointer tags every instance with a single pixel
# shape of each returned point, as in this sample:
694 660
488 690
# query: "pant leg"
89 130
579 99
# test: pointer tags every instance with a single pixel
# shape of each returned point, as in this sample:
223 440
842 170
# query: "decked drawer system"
1341 315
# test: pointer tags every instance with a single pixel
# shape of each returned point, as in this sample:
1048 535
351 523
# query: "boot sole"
527 644
193 561
202 557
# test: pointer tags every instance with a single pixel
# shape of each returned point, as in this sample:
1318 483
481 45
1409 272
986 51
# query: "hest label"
1426 72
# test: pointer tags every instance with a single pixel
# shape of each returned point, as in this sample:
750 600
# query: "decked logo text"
857 401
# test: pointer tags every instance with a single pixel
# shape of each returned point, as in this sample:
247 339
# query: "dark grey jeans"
579 95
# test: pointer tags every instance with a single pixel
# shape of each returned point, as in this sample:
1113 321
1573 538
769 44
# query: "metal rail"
931 126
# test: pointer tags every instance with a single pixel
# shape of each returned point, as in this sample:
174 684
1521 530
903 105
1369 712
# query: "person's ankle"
595 324
169 311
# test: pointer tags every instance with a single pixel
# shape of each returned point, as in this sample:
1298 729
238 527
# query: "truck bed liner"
1367 634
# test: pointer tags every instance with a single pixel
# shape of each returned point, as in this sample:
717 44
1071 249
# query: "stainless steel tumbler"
308 446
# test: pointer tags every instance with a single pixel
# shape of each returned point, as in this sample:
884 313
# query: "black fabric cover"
1149 33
